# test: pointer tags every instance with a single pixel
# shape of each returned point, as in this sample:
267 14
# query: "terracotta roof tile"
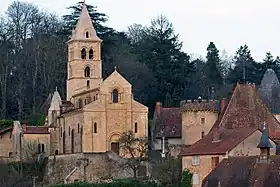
245 110
35 130
229 138
245 172
6 129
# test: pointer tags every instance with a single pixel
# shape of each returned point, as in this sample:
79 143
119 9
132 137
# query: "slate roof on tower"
269 91
245 111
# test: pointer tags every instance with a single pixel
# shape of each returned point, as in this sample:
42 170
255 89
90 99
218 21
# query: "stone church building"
96 111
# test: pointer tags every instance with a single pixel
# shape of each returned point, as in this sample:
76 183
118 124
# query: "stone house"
22 139
261 170
235 133
85 128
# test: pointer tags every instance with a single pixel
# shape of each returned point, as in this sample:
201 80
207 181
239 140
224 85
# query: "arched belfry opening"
83 53
87 34
91 54
87 72
115 96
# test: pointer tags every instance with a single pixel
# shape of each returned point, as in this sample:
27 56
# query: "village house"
19 140
235 133
261 170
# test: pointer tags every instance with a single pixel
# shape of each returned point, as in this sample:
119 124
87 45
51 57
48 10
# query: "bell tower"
84 67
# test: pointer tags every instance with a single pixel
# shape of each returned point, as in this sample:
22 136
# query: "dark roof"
4 130
269 91
229 138
35 130
264 141
245 172
245 111
169 121
200 105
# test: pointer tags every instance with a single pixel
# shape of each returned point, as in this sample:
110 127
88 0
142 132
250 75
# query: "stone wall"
90 167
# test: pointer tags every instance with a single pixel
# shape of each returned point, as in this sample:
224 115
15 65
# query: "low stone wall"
90 167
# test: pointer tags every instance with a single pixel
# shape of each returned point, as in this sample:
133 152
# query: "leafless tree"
134 149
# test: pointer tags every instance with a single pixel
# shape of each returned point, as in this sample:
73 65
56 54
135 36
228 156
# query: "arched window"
87 72
83 53
91 54
56 152
85 101
87 35
80 103
43 148
94 98
69 130
95 128
202 134
135 127
115 96
88 86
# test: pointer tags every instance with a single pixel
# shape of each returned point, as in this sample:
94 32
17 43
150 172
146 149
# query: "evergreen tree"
212 69
245 68
98 19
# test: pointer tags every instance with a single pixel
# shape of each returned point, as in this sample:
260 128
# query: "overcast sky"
228 23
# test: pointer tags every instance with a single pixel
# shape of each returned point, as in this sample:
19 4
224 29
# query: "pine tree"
245 68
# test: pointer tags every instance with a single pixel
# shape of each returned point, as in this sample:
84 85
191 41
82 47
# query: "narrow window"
202 121
87 35
202 134
56 152
215 162
85 101
61 131
93 98
196 179
80 103
95 128
43 148
69 130
91 54
78 128
83 53
10 154
135 127
87 72
89 99
115 96
39 148
88 84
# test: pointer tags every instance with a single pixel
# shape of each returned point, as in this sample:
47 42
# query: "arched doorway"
114 143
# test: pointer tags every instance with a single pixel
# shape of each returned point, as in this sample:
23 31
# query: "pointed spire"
115 68
84 29
56 88
264 141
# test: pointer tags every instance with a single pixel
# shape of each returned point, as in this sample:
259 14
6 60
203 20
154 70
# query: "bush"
5 123
186 179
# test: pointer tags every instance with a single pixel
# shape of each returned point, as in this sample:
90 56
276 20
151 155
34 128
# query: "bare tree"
134 149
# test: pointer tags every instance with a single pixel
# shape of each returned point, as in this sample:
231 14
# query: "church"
96 111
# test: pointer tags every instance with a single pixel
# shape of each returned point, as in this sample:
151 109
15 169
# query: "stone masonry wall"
89 167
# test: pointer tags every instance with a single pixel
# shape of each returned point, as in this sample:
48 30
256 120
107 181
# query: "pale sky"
228 24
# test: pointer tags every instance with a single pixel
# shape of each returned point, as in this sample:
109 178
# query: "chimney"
158 107
24 127
223 104
254 86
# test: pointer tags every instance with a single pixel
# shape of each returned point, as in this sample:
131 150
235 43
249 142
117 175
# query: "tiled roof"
169 122
245 172
229 138
245 111
35 130
6 129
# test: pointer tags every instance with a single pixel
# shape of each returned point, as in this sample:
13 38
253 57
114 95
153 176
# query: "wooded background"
33 59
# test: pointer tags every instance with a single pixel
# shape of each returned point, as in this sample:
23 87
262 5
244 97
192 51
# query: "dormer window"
83 53
87 72
91 54
115 96
87 34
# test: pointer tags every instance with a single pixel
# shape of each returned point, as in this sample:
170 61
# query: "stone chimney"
158 108
224 103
